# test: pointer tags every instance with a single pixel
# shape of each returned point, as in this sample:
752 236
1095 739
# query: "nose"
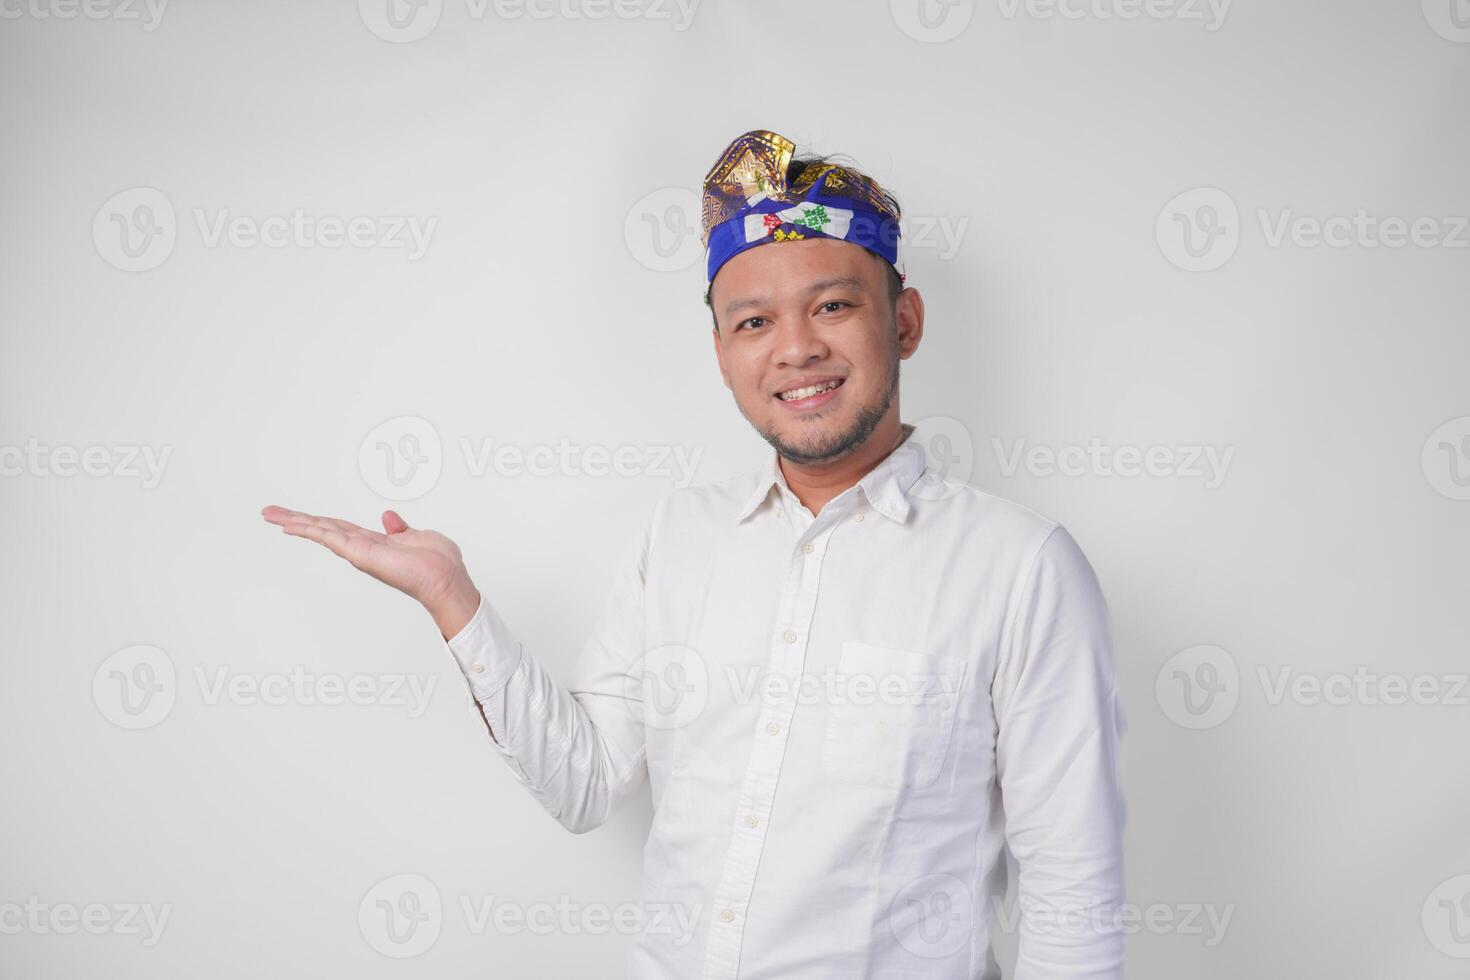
798 342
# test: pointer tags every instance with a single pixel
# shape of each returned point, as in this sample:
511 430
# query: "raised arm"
578 749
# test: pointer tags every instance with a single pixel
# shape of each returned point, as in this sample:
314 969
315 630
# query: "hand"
422 564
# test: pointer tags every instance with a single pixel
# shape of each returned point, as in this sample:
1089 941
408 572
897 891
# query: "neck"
814 484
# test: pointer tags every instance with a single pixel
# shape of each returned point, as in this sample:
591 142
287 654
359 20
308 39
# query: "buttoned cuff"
487 652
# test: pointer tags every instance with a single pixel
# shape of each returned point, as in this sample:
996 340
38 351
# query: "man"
849 682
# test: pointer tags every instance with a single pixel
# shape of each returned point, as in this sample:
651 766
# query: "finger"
346 527
276 514
334 540
392 523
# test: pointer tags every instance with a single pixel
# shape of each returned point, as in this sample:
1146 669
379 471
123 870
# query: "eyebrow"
821 285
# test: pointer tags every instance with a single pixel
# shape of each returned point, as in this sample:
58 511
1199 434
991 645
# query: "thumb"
392 523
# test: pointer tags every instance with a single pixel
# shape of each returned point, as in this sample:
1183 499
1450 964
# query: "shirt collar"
885 486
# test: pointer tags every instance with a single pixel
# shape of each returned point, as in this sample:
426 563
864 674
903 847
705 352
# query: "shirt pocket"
892 715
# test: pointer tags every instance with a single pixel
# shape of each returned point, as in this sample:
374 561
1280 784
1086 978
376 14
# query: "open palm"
424 564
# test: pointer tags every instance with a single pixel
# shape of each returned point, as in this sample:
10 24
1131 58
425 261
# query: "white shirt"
843 720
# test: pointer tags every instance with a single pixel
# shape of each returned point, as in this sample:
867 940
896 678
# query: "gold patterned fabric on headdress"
747 202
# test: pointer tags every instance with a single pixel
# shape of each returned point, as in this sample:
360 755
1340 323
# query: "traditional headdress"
747 202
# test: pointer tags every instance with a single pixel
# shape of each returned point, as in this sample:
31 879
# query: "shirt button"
727 915
751 821
772 728
808 547
478 668
789 636
858 518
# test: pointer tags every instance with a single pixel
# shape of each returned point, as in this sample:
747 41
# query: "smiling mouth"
810 391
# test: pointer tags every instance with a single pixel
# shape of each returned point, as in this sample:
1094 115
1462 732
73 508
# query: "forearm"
573 760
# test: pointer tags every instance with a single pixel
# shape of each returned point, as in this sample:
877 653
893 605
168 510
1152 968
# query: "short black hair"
794 170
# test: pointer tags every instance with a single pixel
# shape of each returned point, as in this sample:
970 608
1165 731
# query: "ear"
720 357
910 318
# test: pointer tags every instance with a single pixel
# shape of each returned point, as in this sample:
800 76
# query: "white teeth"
807 392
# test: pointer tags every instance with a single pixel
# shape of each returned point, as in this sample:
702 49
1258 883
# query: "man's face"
813 318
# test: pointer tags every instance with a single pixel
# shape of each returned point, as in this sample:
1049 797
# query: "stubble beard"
829 448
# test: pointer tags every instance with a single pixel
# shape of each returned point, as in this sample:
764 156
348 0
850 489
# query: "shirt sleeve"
1060 723
579 748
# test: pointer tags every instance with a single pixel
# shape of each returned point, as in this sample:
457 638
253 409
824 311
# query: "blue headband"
747 203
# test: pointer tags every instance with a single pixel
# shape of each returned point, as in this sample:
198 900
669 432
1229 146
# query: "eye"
835 302
754 319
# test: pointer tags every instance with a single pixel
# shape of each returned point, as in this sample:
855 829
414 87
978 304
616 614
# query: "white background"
557 156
